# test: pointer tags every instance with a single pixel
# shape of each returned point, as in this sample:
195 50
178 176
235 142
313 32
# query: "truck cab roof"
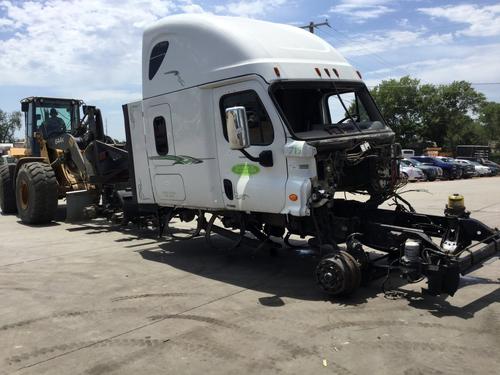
191 50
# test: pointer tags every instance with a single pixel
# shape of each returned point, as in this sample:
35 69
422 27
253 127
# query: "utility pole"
313 25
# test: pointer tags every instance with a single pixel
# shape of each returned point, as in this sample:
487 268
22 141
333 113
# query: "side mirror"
237 128
25 106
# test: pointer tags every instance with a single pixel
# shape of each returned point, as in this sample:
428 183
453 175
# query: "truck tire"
36 193
7 194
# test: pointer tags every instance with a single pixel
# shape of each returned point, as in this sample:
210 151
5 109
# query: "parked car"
411 173
482 170
450 170
495 168
463 170
469 164
431 172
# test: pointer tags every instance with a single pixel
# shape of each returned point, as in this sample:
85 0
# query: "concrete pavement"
88 299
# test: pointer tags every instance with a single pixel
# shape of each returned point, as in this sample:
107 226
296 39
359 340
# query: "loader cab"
37 114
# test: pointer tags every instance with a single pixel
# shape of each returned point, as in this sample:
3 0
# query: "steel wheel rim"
24 190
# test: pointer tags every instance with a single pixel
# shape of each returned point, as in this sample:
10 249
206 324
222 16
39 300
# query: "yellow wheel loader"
65 151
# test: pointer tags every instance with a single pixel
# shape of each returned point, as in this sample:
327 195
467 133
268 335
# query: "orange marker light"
327 72
277 71
293 197
318 72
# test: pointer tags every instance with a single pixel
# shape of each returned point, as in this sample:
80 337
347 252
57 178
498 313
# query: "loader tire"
36 193
7 194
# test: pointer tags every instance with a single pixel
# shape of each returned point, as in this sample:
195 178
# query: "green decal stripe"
245 169
180 159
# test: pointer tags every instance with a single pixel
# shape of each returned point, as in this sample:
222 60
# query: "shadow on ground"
284 275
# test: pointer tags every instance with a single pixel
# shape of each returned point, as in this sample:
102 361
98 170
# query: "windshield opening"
325 109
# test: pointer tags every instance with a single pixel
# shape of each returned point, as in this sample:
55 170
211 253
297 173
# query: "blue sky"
90 49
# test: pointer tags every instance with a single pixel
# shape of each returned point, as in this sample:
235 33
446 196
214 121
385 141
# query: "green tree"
400 102
444 114
9 123
459 105
489 118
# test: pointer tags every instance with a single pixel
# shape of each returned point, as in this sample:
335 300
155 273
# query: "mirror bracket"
265 157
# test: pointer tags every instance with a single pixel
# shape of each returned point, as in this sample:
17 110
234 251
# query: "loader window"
259 123
160 131
157 56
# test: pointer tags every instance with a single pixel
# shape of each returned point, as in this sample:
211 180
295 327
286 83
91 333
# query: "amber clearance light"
293 197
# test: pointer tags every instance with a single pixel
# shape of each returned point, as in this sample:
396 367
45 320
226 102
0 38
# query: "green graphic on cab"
245 169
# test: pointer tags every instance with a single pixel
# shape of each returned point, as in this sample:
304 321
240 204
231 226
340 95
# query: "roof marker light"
277 71
359 74
336 72
318 71
327 72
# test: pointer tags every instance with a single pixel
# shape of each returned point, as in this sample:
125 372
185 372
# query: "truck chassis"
417 246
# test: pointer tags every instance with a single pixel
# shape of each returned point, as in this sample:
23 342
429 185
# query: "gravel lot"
88 299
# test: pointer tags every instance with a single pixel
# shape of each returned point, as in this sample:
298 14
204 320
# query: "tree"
489 118
400 102
444 114
9 123
458 108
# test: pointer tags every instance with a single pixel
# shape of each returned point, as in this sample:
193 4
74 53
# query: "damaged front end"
438 248
338 128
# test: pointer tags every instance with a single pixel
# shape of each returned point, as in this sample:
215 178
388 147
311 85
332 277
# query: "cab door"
246 184
167 181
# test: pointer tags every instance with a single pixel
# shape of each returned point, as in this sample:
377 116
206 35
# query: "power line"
381 60
362 65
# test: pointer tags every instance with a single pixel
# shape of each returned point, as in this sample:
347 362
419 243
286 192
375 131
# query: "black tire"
36 193
7 194
355 273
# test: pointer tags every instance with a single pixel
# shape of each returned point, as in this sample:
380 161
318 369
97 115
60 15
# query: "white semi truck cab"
303 103
265 126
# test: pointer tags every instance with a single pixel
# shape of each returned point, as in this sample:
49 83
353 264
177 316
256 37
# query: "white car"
412 173
481 170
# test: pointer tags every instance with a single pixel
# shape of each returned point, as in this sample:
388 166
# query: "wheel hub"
330 275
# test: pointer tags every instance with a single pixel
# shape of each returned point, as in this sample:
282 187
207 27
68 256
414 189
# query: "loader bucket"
80 206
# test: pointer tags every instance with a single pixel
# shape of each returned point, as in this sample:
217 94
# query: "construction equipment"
63 153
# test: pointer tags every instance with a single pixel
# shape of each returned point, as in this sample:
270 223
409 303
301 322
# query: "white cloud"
461 63
483 21
190 7
90 43
252 8
391 40
362 10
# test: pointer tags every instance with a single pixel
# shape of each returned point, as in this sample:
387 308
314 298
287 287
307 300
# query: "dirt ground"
90 299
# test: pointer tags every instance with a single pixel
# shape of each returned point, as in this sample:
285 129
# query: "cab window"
259 124
156 58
